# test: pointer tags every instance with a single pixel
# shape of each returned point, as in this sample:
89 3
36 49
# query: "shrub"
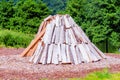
14 39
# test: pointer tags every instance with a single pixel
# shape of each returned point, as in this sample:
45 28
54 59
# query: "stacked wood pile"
60 40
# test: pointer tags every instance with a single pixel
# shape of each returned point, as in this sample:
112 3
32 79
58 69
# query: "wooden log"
33 43
50 53
94 51
78 35
68 53
73 52
54 35
91 58
86 39
72 37
55 55
67 37
99 52
57 20
62 21
43 59
63 53
67 24
46 35
34 54
30 53
71 21
59 53
49 32
40 52
84 53
79 56
37 55
71 56
57 37
62 35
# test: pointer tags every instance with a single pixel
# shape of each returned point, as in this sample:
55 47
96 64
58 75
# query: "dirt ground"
14 67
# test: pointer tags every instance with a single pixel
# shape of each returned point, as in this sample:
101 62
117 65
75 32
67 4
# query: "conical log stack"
61 40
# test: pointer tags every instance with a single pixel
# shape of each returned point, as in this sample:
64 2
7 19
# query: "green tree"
28 15
75 8
6 12
100 19
55 5
22 15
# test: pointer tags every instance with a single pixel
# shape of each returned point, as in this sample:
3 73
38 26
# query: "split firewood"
55 55
67 24
73 51
43 59
50 53
33 43
61 41
63 53
62 35
68 53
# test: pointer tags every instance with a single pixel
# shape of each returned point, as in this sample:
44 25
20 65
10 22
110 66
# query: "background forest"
100 19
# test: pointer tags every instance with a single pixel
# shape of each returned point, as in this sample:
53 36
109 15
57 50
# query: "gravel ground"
12 66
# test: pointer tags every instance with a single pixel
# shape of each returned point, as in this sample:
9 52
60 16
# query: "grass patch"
102 75
10 38
117 52
98 75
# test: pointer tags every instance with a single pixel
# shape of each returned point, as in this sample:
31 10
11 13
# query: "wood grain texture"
33 43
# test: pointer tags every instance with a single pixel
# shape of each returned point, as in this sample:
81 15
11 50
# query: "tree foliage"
6 12
75 8
24 15
56 5
104 18
100 19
